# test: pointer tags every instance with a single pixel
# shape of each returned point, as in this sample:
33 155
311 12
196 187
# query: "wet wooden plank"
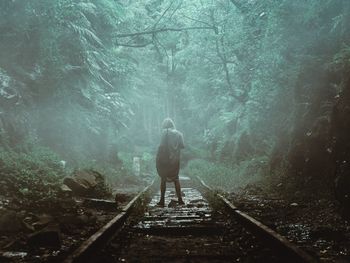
199 230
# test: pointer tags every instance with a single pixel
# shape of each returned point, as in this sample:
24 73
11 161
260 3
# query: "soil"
315 225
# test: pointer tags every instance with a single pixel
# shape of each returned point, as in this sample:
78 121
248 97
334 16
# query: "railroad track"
199 231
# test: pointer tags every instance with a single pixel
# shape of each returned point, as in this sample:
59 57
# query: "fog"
255 87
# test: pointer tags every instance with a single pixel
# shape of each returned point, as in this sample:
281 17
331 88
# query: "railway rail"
208 228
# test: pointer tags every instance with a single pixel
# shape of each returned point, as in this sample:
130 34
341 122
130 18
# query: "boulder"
65 189
43 221
82 181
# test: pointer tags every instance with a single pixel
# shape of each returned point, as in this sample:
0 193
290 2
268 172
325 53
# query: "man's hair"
168 124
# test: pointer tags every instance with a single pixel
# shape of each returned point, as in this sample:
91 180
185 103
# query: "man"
168 159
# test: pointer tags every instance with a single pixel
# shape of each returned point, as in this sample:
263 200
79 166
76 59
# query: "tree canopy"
252 84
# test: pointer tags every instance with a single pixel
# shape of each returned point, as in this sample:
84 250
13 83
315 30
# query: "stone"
14 255
82 181
65 188
27 226
43 221
75 186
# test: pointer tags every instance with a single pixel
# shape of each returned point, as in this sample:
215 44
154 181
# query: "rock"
82 181
9 222
43 221
65 188
47 237
27 226
65 192
294 204
14 255
75 186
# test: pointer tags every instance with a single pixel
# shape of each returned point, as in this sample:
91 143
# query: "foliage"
228 177
93 79
341 61
63 70
33 176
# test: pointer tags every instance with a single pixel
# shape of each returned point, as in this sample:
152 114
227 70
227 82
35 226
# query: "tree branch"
196 20
222 56
136 45
166 29
239 5
175 10
163 14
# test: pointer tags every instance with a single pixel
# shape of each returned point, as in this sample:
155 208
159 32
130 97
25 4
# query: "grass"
226 176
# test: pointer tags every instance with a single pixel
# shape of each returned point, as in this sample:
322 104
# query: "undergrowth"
32 176
225 176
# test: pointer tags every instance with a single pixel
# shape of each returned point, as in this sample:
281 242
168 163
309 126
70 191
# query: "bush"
32 176
37 162
228 177
215 174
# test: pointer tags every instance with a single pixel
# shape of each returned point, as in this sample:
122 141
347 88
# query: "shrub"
225 176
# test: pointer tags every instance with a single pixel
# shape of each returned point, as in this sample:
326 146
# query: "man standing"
168 159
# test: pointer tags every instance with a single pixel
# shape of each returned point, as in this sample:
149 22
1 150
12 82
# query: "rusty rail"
104 234
279 243
283 247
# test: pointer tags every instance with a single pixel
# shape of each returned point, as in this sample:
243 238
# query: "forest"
259 89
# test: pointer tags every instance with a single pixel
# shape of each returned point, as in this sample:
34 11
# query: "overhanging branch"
134 45
166 29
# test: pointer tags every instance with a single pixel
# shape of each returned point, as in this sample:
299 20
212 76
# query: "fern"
85 34
88 8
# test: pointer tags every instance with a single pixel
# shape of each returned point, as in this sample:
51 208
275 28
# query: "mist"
249 82
259 90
